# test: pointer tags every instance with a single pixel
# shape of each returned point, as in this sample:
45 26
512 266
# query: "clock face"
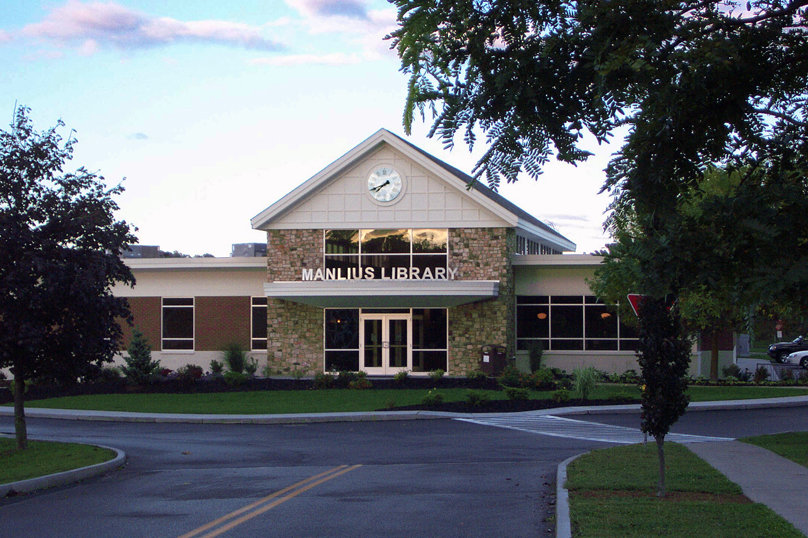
384 184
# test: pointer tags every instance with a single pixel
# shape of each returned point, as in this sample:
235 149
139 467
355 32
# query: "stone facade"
294 331
481 254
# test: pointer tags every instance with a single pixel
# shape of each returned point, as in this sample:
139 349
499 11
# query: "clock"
384 184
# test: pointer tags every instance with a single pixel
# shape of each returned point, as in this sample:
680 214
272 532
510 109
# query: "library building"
382 262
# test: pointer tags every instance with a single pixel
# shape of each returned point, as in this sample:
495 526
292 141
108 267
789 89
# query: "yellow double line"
260 506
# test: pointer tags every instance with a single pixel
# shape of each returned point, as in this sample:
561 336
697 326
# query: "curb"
65 477
563 525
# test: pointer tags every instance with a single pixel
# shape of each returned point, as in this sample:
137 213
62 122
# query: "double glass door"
385 343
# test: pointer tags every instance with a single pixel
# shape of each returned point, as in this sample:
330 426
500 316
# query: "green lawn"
613 493
793 445
341 400
45 457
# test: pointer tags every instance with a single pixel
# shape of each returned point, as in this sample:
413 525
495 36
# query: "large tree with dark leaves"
688 83
61 247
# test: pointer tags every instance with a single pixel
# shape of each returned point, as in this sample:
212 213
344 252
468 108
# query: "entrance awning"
383 293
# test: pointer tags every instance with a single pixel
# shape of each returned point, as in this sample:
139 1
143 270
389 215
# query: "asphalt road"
415 478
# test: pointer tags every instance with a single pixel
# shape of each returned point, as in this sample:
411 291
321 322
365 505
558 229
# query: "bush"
478 376
542 378
535 351
511 377
561 396
564 383
140 369
585 380
731 371
235 358
189 372
251 366
107 374
761 374
432 398
401 377
323 381
344 379
476 398
235 379
517 393
361 382
216 367
436 375
630 376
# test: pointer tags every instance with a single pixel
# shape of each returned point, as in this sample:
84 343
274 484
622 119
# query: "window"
429 337
375 254
525 246
258 323
571 322
178 323
341 339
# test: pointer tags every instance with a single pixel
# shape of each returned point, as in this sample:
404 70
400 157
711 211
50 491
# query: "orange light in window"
605 315
541 315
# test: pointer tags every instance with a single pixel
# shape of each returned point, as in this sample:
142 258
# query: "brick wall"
481 254
219 321
147 318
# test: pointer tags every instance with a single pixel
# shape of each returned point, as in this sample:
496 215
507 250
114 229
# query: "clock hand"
379 187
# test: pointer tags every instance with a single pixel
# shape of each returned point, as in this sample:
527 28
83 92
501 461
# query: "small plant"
477 376
761 374
216 367
323 381
140 368
585 380
189 373
436 375
266 371
235 358
476 398
561 396
510 377
731 370
361 382
630 376
535 351
344 378
564 383
251 366
107 374
401 377
235 379
517 393
787 375
542 379
432 398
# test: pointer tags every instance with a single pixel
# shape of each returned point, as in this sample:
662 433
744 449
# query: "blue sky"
213 110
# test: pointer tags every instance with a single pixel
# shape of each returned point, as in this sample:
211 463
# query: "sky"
210 111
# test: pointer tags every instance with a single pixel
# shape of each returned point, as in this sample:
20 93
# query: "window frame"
163 338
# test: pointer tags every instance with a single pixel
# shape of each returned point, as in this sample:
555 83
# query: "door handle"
385 345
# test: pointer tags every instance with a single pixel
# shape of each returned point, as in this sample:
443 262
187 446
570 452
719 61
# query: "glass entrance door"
385 341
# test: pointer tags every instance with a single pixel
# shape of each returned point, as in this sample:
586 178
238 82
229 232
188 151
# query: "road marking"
556 426
295 489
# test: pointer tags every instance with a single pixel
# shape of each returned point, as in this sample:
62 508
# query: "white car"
798 357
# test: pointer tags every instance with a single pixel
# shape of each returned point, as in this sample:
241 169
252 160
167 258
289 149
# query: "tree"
140 368
61 250
691 83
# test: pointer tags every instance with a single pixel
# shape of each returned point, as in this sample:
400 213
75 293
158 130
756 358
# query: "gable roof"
499 205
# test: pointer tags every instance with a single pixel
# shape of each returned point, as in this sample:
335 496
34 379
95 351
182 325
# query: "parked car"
798 357
781 350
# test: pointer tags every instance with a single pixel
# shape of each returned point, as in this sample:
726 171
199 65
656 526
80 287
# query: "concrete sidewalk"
764 477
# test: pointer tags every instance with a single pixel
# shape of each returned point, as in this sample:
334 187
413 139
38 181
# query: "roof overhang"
383 293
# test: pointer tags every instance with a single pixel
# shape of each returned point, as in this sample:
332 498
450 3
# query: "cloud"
96 24
4 36
336 58
138 136
330 8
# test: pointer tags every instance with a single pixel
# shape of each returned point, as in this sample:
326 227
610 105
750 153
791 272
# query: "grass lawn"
613 493
45 457
341 400
793 446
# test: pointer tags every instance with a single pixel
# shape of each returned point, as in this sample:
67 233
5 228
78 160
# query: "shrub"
432 398
235 379
476 398
344 378
235 358
107 374
630 376
731 370
436 375
140 368
478 376
786 375
542 379
361 382
251 366
401 377
761 374
511 377
585 380
564 383
323 381
517 393
189 372
535 351
216 367
561 396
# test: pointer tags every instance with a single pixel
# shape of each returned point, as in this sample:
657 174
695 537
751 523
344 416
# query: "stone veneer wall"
294 331
481 254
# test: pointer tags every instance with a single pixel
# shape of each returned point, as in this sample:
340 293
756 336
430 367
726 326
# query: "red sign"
634 300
